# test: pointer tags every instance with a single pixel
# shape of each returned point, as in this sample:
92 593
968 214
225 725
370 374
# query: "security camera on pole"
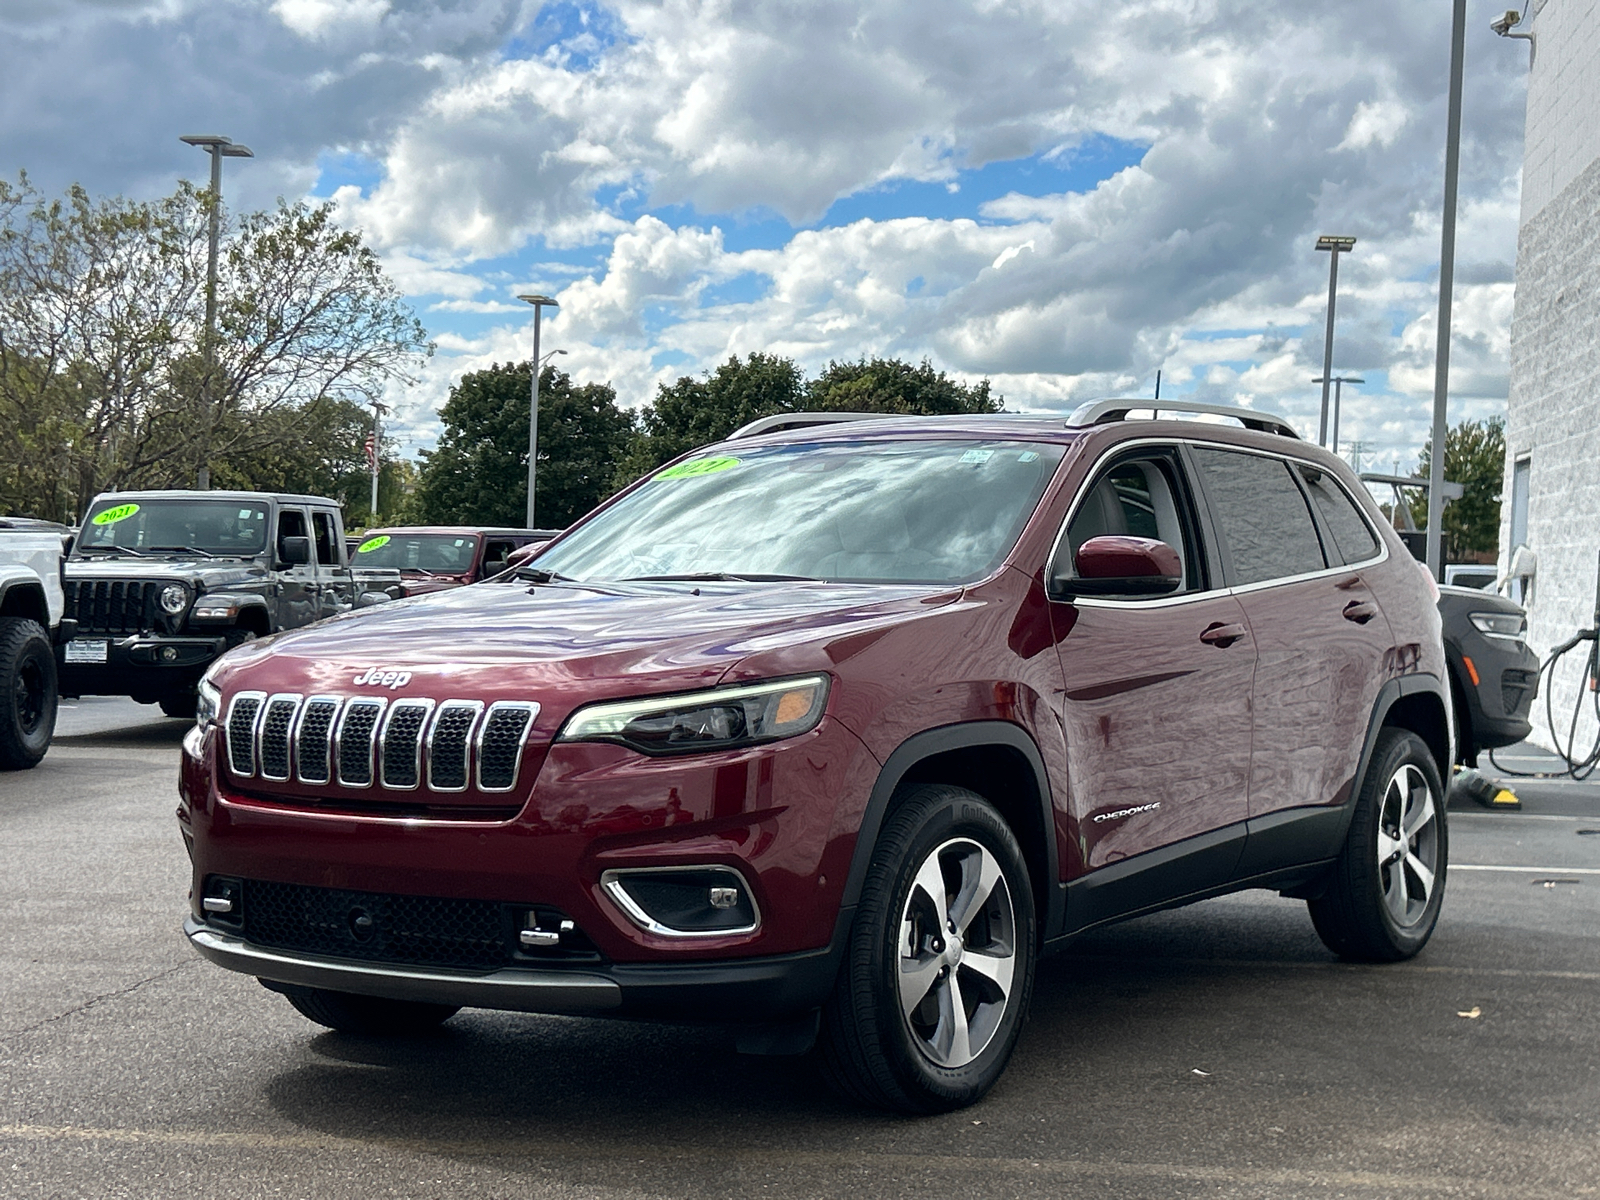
539 304
219 148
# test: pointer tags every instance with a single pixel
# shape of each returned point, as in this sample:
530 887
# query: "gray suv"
161 583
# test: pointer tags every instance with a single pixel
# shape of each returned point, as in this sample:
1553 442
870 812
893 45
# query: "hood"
565 644
202 574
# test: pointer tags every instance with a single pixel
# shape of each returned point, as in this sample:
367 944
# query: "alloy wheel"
957 953
1408 845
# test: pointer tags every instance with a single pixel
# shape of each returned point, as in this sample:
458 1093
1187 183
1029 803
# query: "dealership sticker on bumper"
86 650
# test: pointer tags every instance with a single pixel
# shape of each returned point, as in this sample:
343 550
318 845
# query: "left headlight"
1507 626
716 719
208 702
174 598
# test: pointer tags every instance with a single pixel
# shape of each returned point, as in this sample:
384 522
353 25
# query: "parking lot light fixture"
539 304
1338 386
219 148
1335 245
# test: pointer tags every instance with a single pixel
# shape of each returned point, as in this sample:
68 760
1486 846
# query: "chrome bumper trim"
514 989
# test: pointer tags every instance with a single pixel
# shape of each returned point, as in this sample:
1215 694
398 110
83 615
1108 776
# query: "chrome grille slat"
244 718
277 722
354 741
400 744
500 740
313 738
450 744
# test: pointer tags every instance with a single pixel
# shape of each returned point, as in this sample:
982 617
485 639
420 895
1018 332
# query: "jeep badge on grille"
378 677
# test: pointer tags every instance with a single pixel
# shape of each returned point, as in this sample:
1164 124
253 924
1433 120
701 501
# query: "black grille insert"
242 732
402 743
448 743
113 605
355 741
419 931
276 723
505 730
311 748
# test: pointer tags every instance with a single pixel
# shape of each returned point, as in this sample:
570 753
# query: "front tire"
940 962
370 1016
1388 883
28 693
180 704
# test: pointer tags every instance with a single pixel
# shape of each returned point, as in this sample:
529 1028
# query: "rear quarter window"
1353 538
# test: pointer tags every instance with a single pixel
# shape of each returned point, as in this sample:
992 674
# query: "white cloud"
317 18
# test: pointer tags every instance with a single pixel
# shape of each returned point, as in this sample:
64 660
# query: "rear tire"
939 965
179 704
1388 883
370 1016
28 693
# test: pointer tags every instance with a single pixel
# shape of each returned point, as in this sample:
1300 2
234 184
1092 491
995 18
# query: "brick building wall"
1553 414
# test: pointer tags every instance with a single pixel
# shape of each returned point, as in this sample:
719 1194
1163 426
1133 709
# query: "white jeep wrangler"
31 603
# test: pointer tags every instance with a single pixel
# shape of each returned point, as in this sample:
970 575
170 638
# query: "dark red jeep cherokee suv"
832 733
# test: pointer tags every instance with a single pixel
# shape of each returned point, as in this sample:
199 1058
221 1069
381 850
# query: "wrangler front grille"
366 741
113 605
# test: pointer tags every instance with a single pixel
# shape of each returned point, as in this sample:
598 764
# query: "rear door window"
1353 539
327 541
1261 515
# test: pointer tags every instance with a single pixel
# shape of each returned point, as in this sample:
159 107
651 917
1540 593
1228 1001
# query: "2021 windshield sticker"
112 515
373 543
699 466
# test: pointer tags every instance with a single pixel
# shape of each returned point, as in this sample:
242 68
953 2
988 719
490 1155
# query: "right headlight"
208 702
1508 626
696 722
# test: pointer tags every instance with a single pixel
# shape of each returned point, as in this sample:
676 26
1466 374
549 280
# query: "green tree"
479 473
104 375
1475 457
887 385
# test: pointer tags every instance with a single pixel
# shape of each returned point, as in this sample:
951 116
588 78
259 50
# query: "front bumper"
747 990
144 664
1499 704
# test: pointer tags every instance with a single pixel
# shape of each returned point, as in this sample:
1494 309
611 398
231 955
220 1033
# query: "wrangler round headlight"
695 722
174 598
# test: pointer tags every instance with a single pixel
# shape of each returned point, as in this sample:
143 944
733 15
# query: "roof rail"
799 420
1102 412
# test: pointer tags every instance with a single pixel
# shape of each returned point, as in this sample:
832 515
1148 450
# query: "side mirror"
294 551
368 599
1115 565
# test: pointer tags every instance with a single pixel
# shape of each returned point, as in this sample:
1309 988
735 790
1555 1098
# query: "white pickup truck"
31 605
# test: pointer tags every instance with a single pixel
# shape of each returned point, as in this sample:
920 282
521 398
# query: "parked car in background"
161 583
831 733
32 625
431 558
1494 676
1477 576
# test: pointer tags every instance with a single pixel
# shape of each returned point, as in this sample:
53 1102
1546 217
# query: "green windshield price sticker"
699 466
112 515
371 544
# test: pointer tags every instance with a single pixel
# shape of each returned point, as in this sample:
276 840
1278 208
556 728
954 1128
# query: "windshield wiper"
540 575
114 550
186 550
719 577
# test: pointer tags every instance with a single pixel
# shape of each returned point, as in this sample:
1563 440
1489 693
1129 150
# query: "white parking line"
1457 815
1527 870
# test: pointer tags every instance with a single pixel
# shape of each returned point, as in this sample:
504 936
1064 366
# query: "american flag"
372 451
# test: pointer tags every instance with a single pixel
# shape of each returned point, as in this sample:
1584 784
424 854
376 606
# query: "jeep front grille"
113 605
366 741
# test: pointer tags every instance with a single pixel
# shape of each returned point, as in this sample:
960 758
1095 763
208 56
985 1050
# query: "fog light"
680 902
222 898
169 654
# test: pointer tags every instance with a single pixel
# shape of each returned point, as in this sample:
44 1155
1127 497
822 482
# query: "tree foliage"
479 473
105 376
1475 457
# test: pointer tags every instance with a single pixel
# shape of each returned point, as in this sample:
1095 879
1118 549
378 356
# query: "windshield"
218 527
879 512
437 553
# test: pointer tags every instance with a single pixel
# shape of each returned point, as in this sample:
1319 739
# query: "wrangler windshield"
449 553
217 527
879 512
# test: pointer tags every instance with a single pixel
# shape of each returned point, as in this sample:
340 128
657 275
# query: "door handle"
1218 634
1360 611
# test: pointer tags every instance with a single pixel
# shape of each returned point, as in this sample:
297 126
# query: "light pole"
374 449
539 304
1447 271
219 148
1336 245
1338 391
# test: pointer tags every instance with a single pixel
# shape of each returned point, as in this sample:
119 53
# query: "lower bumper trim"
516 990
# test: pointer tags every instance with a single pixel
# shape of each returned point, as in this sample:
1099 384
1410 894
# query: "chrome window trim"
477 707
261 732
255 731
611 882
522 742
327 742
338 737
382 736
1213 593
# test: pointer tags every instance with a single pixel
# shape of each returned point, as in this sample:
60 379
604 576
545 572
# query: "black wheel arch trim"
967 735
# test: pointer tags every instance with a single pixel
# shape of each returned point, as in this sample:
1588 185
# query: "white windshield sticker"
977 456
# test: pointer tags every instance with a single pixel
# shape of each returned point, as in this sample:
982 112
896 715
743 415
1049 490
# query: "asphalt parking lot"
1213 1051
